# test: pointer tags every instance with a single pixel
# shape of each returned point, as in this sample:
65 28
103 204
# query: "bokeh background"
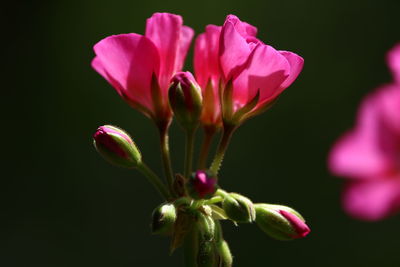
62 205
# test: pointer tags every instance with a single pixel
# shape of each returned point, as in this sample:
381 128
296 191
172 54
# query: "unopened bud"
164 217
206 226
224 254
185 99
280 222
116 146
202 184
238 208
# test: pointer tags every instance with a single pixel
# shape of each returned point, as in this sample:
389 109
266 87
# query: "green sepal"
218 213
206 227
239 208
182 226
133 156
163 219
270 221
239 115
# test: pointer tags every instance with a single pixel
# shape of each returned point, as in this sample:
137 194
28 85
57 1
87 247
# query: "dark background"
62 205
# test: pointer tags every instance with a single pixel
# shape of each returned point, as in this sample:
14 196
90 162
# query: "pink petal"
234 50
360 154
98 66
299 226
243 28
372 200
128 61
206 63
266 71
166 32
393 58
296 65
390 103
185 40
207 68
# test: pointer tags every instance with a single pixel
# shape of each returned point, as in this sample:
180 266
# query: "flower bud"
202 184
238 208
116 146
224 254
206 226
164 217
185 99
280 222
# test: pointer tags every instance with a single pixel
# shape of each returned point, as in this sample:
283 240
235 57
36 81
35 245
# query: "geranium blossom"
140 67
232 53
369 155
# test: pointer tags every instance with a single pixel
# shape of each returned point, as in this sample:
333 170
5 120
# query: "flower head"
140 67
252 73
369 154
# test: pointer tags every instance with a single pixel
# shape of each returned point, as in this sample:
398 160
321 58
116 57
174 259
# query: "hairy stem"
190 136
205 147
166 158
222 147
154 180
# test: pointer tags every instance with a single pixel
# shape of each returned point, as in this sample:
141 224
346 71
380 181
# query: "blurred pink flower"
133 64
369 155
233 53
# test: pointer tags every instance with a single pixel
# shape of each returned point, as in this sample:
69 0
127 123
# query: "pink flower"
258 72
369 155
140 67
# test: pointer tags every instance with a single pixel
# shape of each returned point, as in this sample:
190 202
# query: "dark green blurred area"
62 205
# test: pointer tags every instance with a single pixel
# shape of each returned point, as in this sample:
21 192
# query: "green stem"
223 145
154 180
222 193
205 147
166 158
190 134
214 200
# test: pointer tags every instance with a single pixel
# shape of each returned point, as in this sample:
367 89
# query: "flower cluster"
237 76
369 154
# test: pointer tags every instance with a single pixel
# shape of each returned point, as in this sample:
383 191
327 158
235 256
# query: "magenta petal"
165 31
185 40
390 103
266 71
243 28
128 61
393 59
98 66
234 50
296 65
372 200
206 63
372 147
299 226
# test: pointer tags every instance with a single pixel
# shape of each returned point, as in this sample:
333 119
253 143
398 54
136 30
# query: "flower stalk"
222 147
189 147
154 180
209 133
166 157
